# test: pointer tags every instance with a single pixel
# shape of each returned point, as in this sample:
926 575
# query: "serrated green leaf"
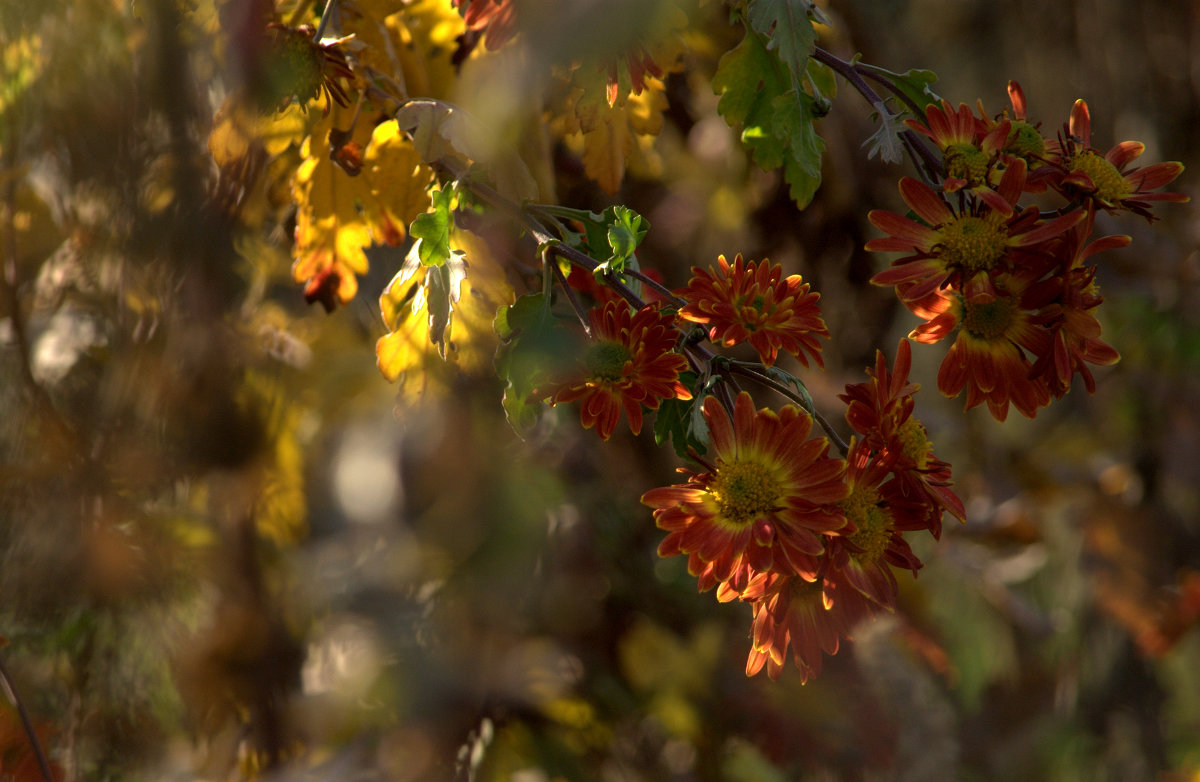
787 27
625 233
914 84
804 147
432 229
793 382
777 121
675 420
532 344
748 79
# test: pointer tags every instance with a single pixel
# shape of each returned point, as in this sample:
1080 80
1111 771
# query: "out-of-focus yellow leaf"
338 215
444 133
21 62
609 132
397 181
407 51
408 354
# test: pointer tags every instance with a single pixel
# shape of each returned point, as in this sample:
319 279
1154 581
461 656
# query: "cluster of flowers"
771 518
1013 284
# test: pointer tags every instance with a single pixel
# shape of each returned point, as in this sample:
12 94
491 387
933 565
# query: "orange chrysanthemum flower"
969 148
754 302
988 357
881 412
762 503
955 249
630 364
1066 303
879 516
1107 179
812 618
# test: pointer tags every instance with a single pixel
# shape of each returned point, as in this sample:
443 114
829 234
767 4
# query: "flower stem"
10 690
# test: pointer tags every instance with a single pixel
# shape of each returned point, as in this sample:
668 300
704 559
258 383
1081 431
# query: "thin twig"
925 161
10 689
321 25
764 379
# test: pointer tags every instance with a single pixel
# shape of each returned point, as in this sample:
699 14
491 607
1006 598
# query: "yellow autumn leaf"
609 133
406 47
407 354
397 180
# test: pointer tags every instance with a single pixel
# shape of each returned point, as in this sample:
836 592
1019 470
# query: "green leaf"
790 380
531 346
793 121
777 120
913 83
682 421
432 229
443 286
787 26
625 232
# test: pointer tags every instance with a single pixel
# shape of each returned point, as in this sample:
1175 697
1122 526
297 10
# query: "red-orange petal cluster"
753 302
762 502
630 364
1011 283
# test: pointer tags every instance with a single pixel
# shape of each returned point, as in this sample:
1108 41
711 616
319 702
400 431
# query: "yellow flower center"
966 161
915 442
873 522
989 320
973 243
744 491
1025 141
606 360
1111 186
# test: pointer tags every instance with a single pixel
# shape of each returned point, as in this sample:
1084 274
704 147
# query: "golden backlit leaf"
338 216
610 133
409 352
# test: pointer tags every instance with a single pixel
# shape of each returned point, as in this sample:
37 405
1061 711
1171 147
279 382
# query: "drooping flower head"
766 497
1066 306
881 412
629 364
753 302
296 67
1108 179
812 617
996 332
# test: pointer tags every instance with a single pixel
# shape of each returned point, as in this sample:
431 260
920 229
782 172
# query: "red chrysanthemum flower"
953 249
629 365
295 67
881 412
1024 140
811 617
494 19
969 147
763 502
988 356
1107 179
879 516
754 302
1066 303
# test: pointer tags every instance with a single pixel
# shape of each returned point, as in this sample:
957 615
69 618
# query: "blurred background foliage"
228 551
